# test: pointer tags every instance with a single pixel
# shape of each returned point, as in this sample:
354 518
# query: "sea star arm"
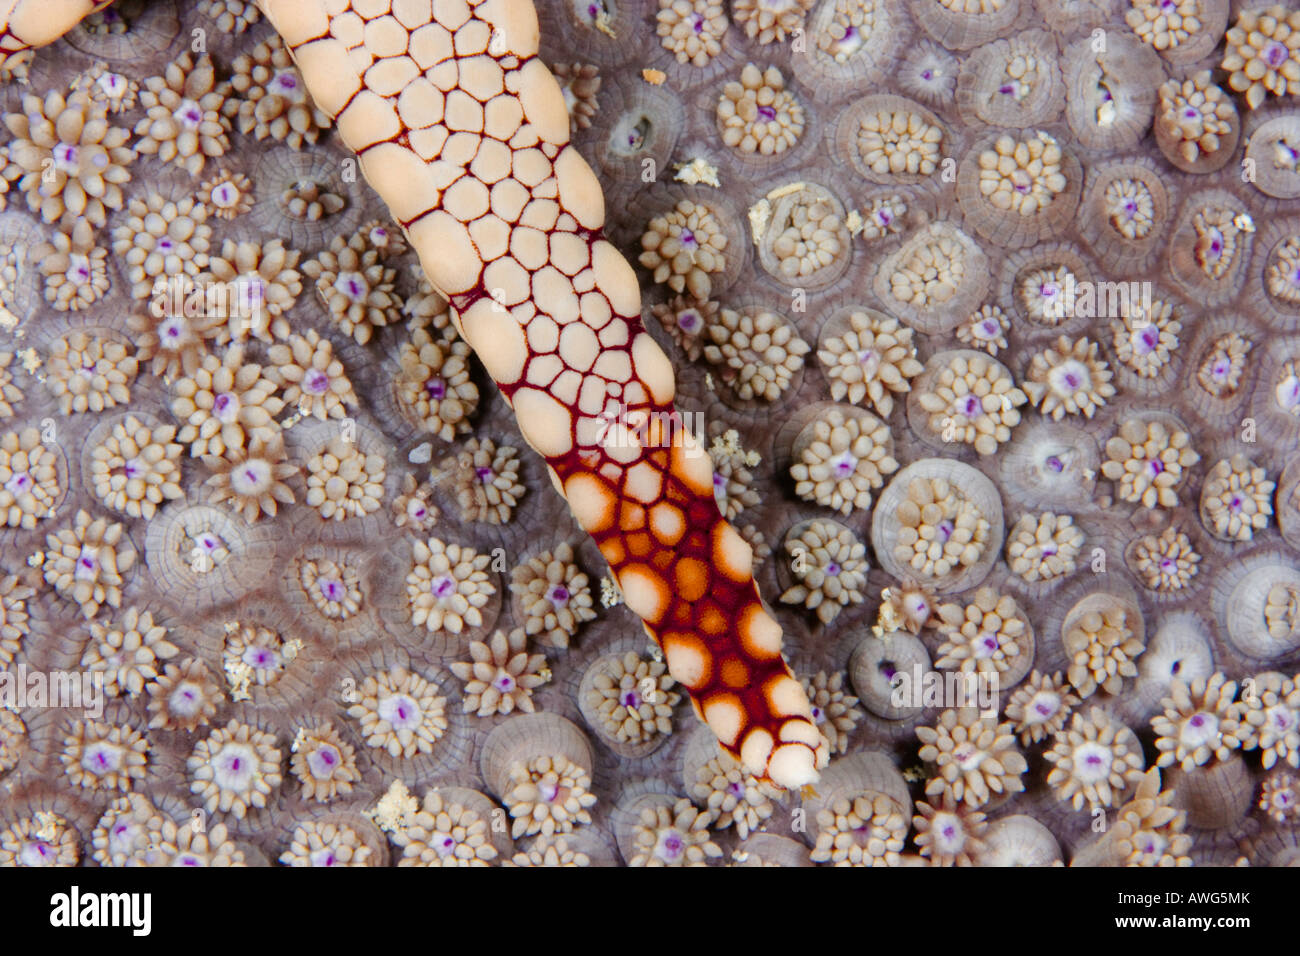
25 24
463 131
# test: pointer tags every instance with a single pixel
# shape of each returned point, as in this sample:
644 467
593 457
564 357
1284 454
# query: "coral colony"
663 433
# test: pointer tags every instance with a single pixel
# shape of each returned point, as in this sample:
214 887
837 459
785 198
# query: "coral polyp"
67 159
400 712
1263 54
235 769
975 757
447 585
1148 460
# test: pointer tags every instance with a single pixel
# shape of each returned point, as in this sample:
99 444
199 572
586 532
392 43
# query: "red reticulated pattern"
638 484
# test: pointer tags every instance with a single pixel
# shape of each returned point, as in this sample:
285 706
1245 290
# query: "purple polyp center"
688 321
1275 54
1150 337
767 113
436 388
1197 720
1235 504
354 288
945 529
444 587
250 476
18 482
1006 89
989 327
833 569
1044 709
970 406
316 382
1055 464
1156 467
1093 759
331 590
559 594
165 244
1071 380
221 403
697 23
483 473
688 237
888 670
927 74
629 699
